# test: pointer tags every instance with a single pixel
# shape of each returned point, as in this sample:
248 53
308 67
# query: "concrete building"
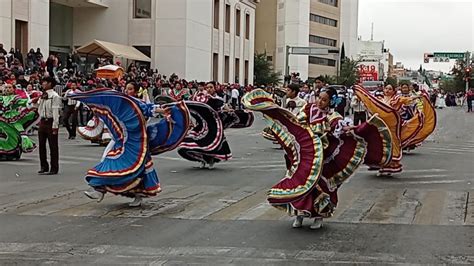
350 26
24 24
305 23
196 39
387 64
281 23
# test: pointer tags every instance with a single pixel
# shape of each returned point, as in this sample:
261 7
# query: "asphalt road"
220 216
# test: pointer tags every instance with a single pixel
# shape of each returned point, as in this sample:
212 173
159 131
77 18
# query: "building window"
246 72
237 22
322 61
322 40
237 70
329 2
323 20
226 69
227 18
142 9
215 66
270 58
216 14
247 26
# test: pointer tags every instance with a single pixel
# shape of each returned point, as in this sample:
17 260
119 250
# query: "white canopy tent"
115 50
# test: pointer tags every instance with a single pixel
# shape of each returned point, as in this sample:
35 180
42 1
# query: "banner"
368 71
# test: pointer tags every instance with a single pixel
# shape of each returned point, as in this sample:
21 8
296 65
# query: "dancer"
15 120
322 151
206 142
386 107
419 117
293 103
126 168
405 133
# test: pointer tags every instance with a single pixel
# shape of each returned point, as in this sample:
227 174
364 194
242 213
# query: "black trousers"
359 118
45 133
234 103
70 113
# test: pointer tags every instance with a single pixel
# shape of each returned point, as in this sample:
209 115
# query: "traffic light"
467 72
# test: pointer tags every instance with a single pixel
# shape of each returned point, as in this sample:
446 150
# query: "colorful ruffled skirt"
126 168
317 168
205 141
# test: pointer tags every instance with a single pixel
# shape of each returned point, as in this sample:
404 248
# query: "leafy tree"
459 74
263 71
349 73
392 81
331 80
449 85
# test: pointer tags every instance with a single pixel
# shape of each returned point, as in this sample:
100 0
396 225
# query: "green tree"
449 85
392 81
263 71
349 73
459 74
331 80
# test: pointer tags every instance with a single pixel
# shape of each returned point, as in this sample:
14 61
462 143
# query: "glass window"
322 61
237 22
323 20
227 18
247 26
322 40
215 66
142 9
329 2
216 14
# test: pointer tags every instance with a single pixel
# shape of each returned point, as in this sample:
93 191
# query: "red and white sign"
368 71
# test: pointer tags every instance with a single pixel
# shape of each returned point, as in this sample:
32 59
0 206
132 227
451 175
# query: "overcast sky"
412 27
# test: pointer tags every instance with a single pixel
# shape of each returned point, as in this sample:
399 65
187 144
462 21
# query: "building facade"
24 24
305 23
196 39
350 27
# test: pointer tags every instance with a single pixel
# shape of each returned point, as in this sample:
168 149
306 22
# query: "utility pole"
372 32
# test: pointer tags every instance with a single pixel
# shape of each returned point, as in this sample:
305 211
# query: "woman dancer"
126 168
206 142
322 151
404 133
15 120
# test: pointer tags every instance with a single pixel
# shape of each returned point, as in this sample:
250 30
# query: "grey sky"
412 27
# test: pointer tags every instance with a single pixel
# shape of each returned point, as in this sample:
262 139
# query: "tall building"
24 24
350 27
196 39
279 24
305 23
325 32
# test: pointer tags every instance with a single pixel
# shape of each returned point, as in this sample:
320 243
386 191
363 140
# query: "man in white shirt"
358 107
235 97
48 108
294 103
71 111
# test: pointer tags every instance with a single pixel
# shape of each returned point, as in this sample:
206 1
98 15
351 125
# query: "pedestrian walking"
469 99
235 97
48 109
71 111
